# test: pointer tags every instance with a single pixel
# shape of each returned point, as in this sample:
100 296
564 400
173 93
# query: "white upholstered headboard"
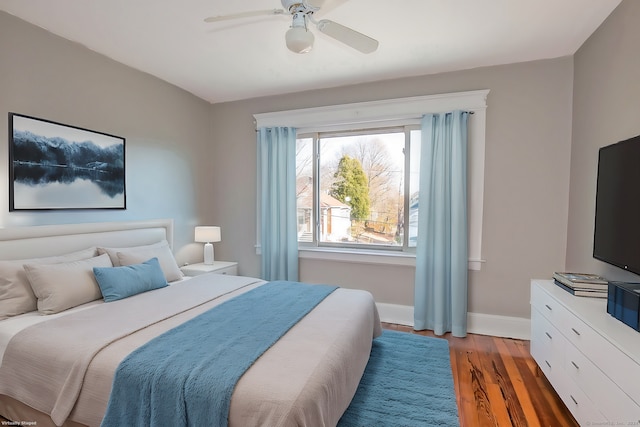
49 240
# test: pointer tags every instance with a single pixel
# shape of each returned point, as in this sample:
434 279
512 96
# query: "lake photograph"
56 166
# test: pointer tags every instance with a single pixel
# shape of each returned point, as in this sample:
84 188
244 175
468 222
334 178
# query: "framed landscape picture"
57 166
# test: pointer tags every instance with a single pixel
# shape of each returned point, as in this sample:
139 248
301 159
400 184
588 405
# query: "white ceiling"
248 58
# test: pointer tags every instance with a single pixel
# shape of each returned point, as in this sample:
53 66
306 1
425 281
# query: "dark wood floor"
498 383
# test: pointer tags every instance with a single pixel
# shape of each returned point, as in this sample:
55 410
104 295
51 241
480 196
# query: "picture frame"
56 166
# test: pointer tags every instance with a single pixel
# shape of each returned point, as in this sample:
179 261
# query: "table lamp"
207 235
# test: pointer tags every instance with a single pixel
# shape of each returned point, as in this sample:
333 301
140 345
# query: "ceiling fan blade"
348 36
244 15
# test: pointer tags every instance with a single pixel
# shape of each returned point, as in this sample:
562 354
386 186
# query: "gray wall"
526 180
166 129
606 107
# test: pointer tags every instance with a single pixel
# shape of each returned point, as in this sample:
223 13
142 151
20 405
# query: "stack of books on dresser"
582 284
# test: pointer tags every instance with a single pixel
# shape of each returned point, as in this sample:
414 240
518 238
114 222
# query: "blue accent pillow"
121 282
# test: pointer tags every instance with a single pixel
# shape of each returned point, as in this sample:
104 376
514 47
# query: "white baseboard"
477 323
394 313
499 326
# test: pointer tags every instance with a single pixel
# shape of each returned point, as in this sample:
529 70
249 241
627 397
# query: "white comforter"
307 379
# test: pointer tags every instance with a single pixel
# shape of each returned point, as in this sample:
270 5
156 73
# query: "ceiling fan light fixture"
299 40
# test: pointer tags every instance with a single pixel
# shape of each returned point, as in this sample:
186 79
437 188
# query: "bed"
58 368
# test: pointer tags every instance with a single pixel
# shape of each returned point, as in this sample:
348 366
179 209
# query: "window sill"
358 256
369 257
366 257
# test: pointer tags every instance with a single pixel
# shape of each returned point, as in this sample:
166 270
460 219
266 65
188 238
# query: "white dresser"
591 359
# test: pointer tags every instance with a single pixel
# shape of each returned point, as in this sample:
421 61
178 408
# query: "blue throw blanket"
186 376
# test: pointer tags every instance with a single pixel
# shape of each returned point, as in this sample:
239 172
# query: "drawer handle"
576 332
549 335
574 400
575 365
548 364
548 307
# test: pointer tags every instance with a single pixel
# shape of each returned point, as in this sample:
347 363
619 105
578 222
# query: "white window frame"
316 151
390 112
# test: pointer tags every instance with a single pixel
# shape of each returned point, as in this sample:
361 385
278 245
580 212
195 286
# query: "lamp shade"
207 234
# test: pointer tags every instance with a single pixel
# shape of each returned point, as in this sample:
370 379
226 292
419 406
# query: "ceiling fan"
298 38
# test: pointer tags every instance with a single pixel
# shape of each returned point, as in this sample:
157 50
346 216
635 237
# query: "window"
353 190
327 134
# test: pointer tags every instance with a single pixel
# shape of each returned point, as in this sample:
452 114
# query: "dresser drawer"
231 270
546 304
583 409
612 401
218 267
547 344
616 366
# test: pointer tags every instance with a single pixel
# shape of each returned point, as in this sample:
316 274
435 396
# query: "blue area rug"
407 382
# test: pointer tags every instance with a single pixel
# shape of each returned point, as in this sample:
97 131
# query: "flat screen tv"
617 223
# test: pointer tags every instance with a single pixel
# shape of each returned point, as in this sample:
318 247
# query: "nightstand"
218 267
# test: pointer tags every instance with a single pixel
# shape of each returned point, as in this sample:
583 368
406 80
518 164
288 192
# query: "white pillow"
65 285
16 295
113 252
167 262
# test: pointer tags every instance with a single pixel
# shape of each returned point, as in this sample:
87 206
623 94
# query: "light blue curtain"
277 189
441 252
